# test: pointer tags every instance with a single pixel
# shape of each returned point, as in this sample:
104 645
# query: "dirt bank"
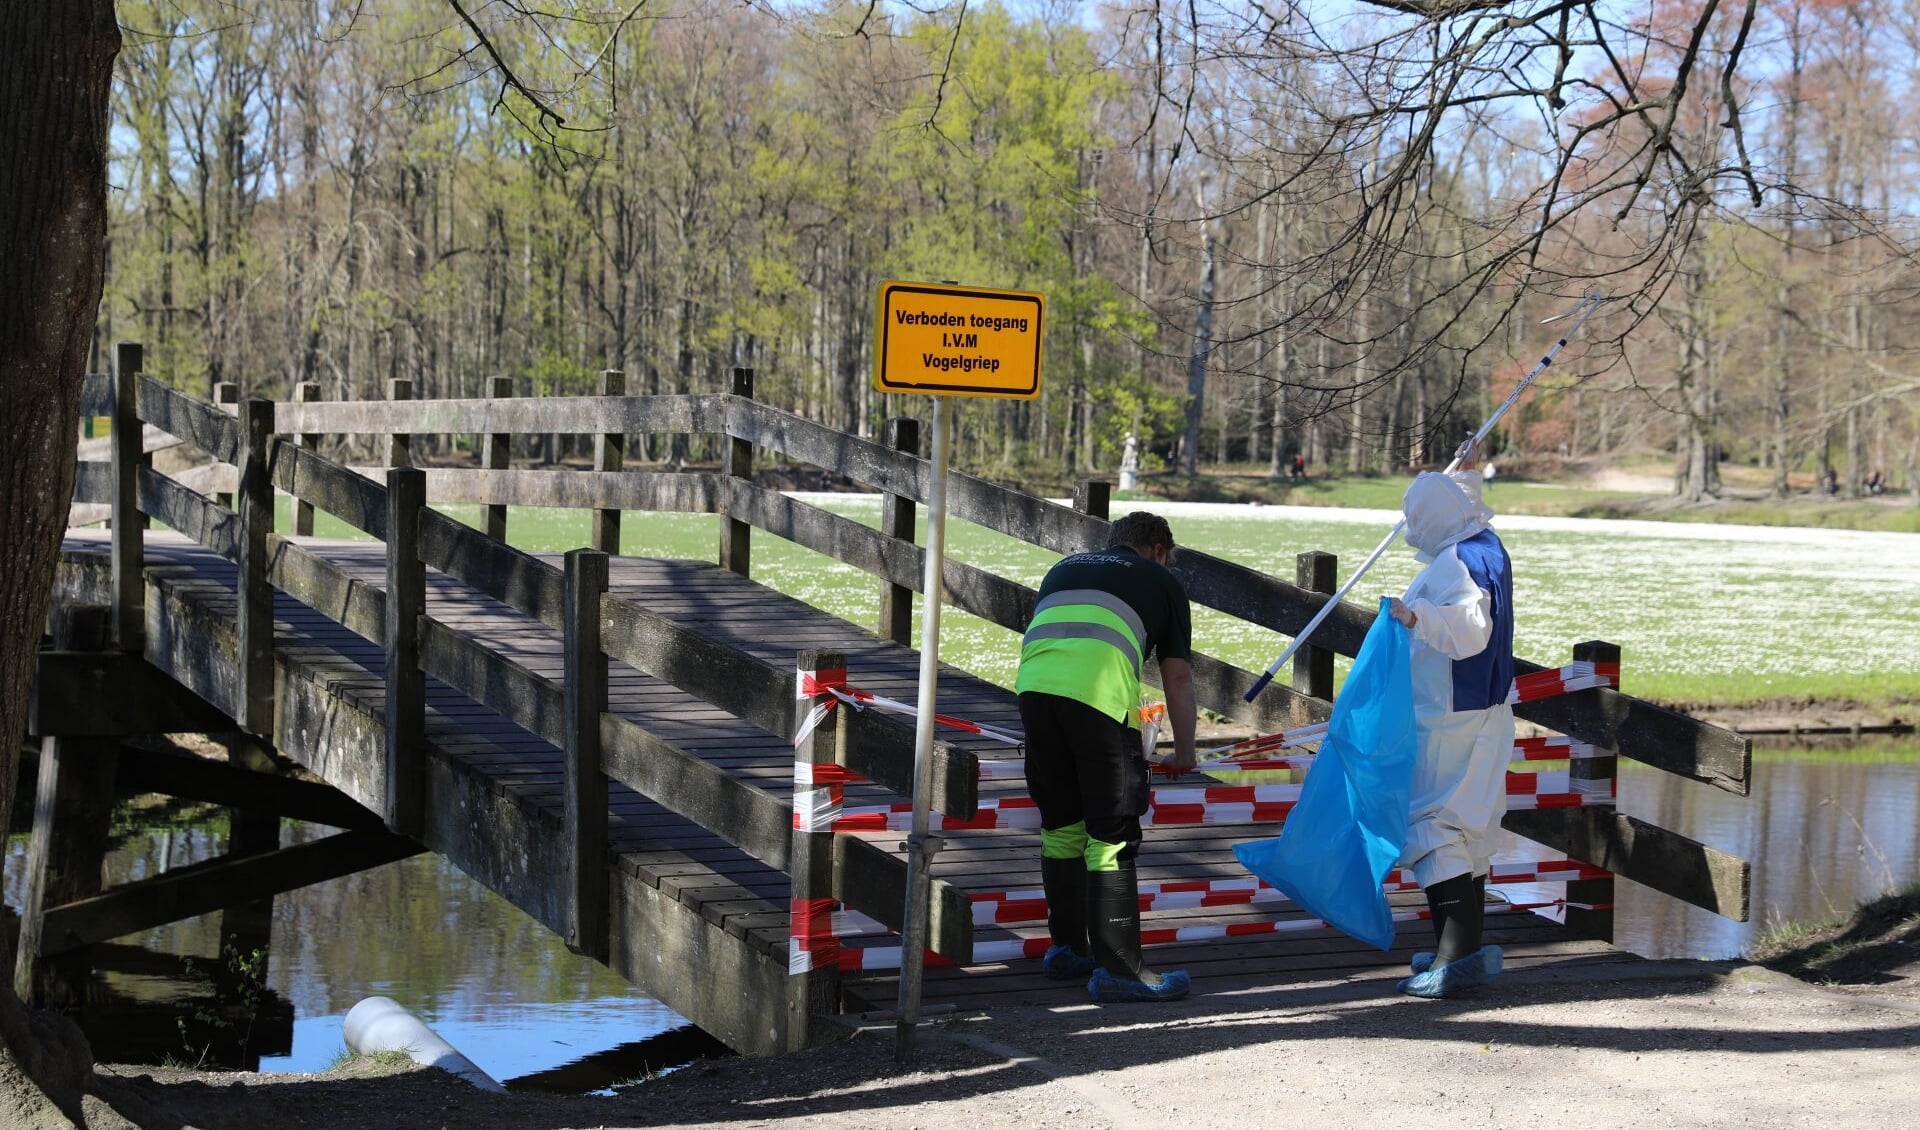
1679 1044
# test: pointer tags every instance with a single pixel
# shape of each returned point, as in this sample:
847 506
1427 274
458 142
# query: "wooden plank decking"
500 778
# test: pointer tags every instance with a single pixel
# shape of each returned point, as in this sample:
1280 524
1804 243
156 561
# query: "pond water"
495 983
1699 609
1825 831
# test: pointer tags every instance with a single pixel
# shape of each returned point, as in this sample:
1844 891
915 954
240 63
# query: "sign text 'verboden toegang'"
958 341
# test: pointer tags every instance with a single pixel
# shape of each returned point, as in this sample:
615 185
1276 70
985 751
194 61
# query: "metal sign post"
920 845
943 341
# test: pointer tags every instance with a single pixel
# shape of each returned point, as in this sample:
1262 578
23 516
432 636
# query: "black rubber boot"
1424 961
1457 909
1113 926
1065 881
1070 958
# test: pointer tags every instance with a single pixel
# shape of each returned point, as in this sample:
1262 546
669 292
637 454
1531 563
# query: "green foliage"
227 1017
332 194
1130 403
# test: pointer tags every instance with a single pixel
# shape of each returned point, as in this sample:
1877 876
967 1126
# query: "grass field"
1704 614
1520 496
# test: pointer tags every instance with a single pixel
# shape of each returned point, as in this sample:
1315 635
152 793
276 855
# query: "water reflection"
495 983
1824 831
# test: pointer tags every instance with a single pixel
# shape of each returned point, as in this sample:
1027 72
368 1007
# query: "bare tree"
1627 138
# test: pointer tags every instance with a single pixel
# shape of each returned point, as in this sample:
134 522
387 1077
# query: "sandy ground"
1652 1044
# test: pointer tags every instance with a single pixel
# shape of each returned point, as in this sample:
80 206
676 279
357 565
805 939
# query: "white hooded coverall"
1459 778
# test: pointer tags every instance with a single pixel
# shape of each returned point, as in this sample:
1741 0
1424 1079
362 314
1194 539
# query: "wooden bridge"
606 741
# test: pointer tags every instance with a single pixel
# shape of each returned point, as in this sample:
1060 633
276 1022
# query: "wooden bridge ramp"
496 800
605 741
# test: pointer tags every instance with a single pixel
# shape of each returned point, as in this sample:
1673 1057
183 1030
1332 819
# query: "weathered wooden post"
406 685
400 444
1313 666
1592 917
496 454
813 982
72 814
896 521
254 590
586 780
609 451
226 397
129 524
306 392
736 544
1093 497
246 928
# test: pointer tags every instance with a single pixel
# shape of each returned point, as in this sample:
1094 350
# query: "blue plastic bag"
1347 832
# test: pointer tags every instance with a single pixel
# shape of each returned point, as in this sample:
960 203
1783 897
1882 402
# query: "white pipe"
379 1024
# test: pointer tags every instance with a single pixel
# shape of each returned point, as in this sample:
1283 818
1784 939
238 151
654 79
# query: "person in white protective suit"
1459 612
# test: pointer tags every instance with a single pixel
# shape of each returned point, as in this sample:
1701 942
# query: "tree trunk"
1197 365
56 63
1856 455
1780 407
1695 466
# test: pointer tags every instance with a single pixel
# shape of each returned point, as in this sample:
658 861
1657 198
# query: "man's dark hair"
1140 530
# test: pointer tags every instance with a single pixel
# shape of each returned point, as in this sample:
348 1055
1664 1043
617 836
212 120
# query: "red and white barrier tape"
1554 749
822 685
831 688
1217 804
1285 739
1579 675
812 941
818 793
1525 749
1002 907
855 959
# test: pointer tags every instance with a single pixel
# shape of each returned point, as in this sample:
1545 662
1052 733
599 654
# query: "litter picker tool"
1579 313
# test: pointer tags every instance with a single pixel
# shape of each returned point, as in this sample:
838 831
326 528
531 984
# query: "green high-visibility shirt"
1101 615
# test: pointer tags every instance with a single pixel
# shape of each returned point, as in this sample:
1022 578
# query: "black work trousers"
1083 765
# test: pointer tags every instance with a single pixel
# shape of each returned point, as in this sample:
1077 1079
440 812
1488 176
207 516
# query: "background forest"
1321 228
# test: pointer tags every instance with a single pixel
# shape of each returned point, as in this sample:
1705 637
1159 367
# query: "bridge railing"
571 713
1602 717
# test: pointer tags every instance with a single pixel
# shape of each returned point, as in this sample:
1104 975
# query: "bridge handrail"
761 693
1648 733
1641 730
996 599
565 415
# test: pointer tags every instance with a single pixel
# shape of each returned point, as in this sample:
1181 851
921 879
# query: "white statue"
1130 463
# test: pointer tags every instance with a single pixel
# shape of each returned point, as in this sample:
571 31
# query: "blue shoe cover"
1108 989
1422 961
1062 964
1455 978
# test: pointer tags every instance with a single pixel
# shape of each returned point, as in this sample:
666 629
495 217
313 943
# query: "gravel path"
1650 1044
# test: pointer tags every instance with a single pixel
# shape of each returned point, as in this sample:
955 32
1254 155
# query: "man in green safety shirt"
1100 616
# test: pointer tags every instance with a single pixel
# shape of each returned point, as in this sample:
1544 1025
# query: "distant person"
1876 482
1486 476
1459 611
1099 617
1299 468
1831 481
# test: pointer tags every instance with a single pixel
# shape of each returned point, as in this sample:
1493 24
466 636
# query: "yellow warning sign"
958 341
